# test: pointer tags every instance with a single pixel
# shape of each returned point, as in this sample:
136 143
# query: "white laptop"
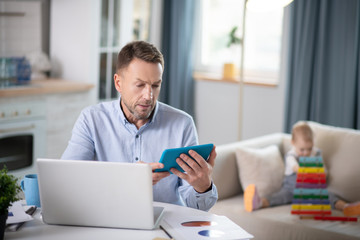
97 194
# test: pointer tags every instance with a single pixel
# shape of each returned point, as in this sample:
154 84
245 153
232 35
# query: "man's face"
139 85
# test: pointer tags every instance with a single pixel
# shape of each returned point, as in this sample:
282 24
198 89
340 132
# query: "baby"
302 146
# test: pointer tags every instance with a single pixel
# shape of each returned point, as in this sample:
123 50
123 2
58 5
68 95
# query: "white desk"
37 230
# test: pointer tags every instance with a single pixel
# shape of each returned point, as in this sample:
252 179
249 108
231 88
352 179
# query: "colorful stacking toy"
311 198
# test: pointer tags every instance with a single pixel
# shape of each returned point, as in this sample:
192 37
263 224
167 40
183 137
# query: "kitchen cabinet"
62 102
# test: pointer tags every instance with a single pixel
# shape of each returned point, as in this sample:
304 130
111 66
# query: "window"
262 40
263 45
121 22
217 19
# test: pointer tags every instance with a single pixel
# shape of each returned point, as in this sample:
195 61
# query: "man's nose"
148 95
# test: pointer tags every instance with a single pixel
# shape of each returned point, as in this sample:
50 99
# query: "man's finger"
156 165
198 158
157 176
183 165
212 157
178 173
188 164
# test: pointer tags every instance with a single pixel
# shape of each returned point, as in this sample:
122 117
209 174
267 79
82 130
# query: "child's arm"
296 168
291 165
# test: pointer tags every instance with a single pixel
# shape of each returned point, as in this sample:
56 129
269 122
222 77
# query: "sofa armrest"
340 152
225 173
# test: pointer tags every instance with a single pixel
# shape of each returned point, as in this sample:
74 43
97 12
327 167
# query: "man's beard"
138 115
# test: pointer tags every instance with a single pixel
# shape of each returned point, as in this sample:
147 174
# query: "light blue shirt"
103 133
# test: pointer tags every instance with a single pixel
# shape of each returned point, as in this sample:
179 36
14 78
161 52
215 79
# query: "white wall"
217 111
74 39
263 110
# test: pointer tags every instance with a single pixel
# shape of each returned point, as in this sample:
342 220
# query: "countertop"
46 86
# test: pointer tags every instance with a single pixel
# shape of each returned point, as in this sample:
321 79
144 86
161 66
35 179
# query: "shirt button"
136 158
137 136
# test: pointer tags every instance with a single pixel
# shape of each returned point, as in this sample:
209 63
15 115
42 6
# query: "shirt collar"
156 110
119 110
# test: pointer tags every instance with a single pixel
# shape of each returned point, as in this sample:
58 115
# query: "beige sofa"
341 153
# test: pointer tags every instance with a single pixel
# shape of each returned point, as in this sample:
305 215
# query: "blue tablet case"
168 157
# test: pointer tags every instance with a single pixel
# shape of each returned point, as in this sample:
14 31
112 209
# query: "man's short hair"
302 130
141 50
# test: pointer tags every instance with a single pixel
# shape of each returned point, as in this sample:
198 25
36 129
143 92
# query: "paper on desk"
223 228
17 214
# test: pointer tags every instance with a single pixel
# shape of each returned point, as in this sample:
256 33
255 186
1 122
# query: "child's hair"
302 130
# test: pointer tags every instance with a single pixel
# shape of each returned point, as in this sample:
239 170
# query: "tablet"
169 156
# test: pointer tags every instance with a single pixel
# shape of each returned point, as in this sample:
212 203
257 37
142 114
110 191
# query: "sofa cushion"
226 169
341 151
277 222
263 167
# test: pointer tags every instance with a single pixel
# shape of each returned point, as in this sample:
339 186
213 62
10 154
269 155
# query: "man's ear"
117 82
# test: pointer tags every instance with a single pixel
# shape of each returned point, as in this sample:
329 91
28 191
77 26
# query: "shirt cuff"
207 191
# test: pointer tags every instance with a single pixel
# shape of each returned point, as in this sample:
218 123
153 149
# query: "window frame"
256 77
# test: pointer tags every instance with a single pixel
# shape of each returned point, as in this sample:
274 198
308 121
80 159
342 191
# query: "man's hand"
198 171
157 176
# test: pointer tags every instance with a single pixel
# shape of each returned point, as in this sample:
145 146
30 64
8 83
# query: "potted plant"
229 71
233 39
9 189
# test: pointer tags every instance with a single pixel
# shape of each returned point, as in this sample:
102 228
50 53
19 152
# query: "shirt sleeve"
201 201
81 145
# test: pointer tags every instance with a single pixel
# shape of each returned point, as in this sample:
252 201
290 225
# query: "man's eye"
140 85
156 86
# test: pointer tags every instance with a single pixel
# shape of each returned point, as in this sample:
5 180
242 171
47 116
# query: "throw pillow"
263 167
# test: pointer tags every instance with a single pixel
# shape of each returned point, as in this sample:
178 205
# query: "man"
138 128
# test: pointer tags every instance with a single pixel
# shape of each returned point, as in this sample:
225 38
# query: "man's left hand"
197 170
157 176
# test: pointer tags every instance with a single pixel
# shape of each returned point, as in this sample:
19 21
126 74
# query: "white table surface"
36 229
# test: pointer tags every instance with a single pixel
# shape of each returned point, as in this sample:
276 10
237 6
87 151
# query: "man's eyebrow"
157 82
